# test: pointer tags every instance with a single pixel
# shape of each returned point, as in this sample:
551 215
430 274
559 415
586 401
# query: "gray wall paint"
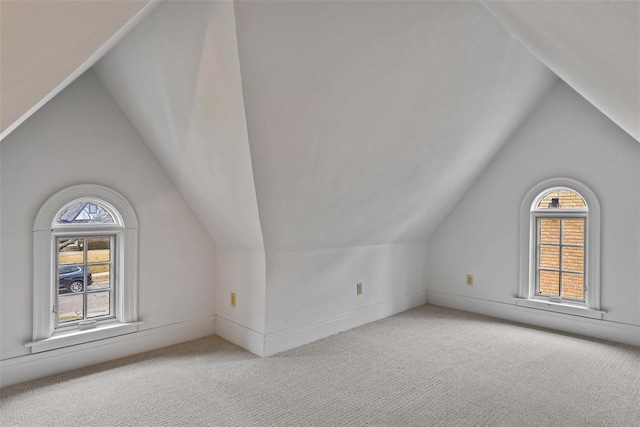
82 137
566 136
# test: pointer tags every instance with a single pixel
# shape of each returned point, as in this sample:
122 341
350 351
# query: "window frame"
45 335
559 214
90 233
527 292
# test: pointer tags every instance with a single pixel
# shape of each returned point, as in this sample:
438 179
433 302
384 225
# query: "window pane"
550 256
573 285
99 277
573 231
562 199
549 282
549 230
70 251
99 249
572 258
70 308
70 279
85 213
98 304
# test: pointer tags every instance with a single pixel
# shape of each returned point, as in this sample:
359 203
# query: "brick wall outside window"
556 255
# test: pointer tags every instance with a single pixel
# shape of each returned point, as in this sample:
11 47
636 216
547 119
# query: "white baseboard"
240 335
602 329
37 365
32 366
296 336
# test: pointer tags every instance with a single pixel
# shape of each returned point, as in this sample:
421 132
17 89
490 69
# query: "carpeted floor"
427 366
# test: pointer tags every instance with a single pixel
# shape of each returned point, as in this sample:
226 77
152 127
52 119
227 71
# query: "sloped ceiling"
365 121
177 78
306 125
43 42
592 45
368 120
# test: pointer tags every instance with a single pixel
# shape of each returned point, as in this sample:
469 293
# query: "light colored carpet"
427 366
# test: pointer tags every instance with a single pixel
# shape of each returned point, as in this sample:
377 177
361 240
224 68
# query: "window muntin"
561 258
85 212
559 216
84 283
561 198
86 232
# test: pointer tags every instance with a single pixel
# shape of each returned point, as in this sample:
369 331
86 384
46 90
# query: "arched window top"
58 211
559 198
86 211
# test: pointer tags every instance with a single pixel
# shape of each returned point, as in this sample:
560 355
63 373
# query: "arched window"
560 248
86 232
85 268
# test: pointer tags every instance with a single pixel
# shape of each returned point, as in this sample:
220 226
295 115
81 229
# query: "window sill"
66 339
564 308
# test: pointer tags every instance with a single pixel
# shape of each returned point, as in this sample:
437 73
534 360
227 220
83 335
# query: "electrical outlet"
233 299
469 279
359 288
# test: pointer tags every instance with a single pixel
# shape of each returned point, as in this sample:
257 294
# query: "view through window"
560 260
85 289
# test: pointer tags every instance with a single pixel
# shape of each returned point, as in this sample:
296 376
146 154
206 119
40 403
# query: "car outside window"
85 287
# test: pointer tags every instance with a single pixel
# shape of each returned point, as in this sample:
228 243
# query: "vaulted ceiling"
44 45
354 123
306 125
592 45
368 120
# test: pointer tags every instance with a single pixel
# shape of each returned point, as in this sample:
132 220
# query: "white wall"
82 137
177 77
309 295
566 136
242 272
312 294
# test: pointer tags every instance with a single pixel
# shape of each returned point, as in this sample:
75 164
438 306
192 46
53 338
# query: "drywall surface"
592 45
565 137
43 42
177 78
82 137
242 272
368 120
310 289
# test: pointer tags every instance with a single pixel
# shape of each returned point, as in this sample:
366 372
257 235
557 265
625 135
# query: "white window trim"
45 337
527 287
